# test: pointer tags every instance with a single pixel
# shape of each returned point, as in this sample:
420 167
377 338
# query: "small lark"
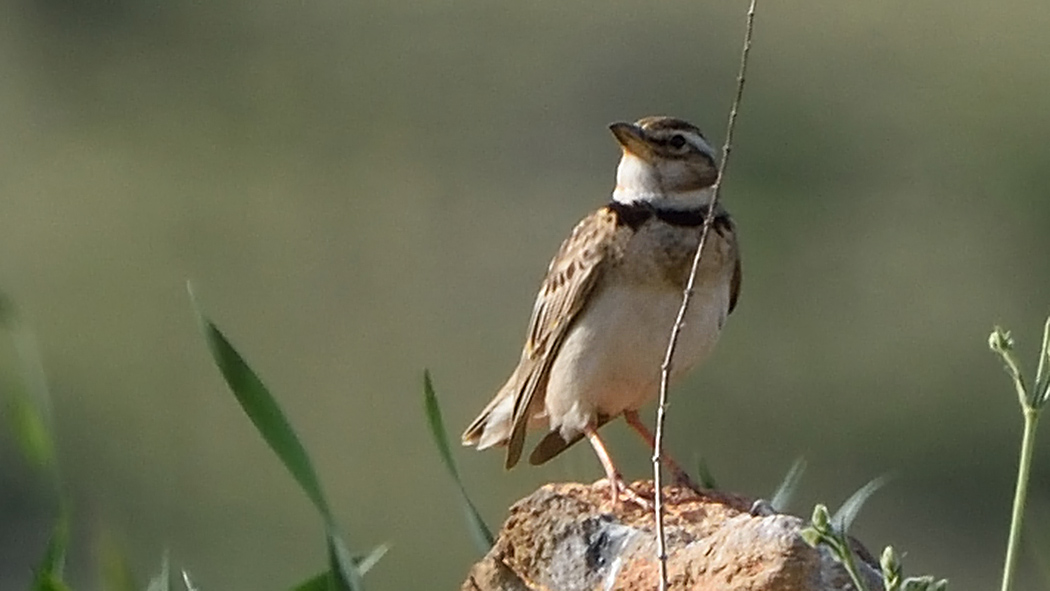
603 316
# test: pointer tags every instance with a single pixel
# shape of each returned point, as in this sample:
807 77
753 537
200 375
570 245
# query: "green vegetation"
479 532
344 571
30 424
367 189
35 437
1033 399
832 532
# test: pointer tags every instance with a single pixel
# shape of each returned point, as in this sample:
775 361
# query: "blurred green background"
362 189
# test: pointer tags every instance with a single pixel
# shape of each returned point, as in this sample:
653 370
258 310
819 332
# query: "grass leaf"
187 582
28 411
703 472
162 580
29 407
366 562
843 518
264 412
784 493
50 583
318 582
437 426
51 569
479 531
345 576
322 581
262 409
30 431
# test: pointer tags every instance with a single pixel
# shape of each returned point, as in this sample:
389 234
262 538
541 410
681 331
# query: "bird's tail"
493 425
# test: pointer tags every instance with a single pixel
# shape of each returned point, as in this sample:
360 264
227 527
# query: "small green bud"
891 569
821 518
811 536
889 561
941 585
1000 340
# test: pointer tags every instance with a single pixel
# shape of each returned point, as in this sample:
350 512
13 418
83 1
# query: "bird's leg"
611 473
681 476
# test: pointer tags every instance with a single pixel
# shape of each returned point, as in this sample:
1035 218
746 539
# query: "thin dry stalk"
676 329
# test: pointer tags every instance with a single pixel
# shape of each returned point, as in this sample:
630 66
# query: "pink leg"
611 473
680 475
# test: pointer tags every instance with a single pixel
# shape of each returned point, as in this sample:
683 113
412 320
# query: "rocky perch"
568 537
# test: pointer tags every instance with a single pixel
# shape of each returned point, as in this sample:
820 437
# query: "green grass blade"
480 534
29 416
479 531
437 426
49 583
187 582
366 562
324 581
51 569
30 431
162 580
345 576
318 582
847 513
786 491
703 472
262 409
29 408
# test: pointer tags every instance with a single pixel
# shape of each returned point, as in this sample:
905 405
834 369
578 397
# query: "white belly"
610 360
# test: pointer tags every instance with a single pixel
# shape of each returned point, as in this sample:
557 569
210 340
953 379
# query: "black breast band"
633 215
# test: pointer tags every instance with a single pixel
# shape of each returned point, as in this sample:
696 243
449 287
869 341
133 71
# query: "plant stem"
676 329
846 558
1031 418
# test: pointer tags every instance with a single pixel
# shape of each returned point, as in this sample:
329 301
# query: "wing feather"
571 277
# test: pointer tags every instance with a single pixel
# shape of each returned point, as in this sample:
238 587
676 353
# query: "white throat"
639 181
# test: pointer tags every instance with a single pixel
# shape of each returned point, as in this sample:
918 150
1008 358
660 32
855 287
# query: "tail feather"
493 425
553 444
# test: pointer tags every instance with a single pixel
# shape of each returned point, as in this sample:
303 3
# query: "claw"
620 492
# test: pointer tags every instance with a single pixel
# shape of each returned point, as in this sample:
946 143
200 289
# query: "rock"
569 537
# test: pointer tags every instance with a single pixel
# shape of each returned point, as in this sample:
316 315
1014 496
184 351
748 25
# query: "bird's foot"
621 492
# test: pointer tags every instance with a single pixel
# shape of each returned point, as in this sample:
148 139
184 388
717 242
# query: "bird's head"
666 162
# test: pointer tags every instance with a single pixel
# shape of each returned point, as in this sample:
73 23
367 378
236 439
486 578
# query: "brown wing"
571 277
553 443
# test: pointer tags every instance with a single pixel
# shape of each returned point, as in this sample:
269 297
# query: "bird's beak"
632 139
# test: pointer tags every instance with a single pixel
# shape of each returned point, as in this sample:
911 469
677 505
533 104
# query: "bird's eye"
677 141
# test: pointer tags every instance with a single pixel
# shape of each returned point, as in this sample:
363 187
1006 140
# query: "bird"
601 321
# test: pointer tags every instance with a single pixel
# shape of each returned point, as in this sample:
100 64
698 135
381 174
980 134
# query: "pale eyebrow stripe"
695 139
